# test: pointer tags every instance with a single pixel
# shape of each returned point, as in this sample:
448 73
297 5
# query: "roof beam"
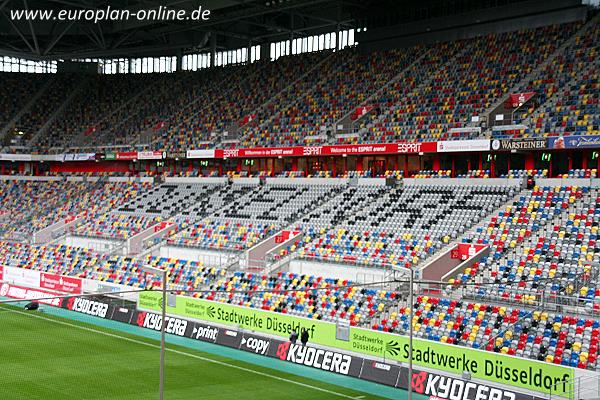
14 27
308 28
271 27
247 15
3 4
126 25
92 35
289 12
315 17
101 36
123 38
33 35
240 21
57 38
123 52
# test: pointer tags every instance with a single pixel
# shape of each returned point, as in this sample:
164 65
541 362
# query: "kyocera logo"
282 350
87 306
313 357
255 345
140 318
456 389
175 326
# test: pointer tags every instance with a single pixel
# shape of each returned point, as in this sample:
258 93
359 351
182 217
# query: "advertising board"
494 367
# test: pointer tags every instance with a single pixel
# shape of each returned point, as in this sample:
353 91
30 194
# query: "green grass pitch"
49 357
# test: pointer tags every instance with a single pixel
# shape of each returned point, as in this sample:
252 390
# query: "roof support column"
213 49
179 60
291 33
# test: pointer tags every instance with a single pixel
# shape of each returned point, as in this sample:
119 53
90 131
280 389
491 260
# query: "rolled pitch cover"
32 306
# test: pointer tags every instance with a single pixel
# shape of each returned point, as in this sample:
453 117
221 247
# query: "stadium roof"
232 24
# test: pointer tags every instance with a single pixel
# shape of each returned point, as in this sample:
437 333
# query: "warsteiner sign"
519 144
508 370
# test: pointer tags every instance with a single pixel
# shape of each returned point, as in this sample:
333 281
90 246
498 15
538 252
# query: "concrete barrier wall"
135 244
213 258
462 182
371 182
246 181
197 180
98 244
567 182
256 255
341 271
47 234
306 181
467 263
31 178
435 270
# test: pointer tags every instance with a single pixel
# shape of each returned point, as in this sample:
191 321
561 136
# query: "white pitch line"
85 328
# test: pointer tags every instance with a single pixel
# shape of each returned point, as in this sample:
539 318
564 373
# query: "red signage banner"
247 119
89 131
385 148
162 225
1 273
464 251
518 99
360 112
65 284
454 254
127 155
70 218
23 293
336 150
412 148
260 152
284 236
